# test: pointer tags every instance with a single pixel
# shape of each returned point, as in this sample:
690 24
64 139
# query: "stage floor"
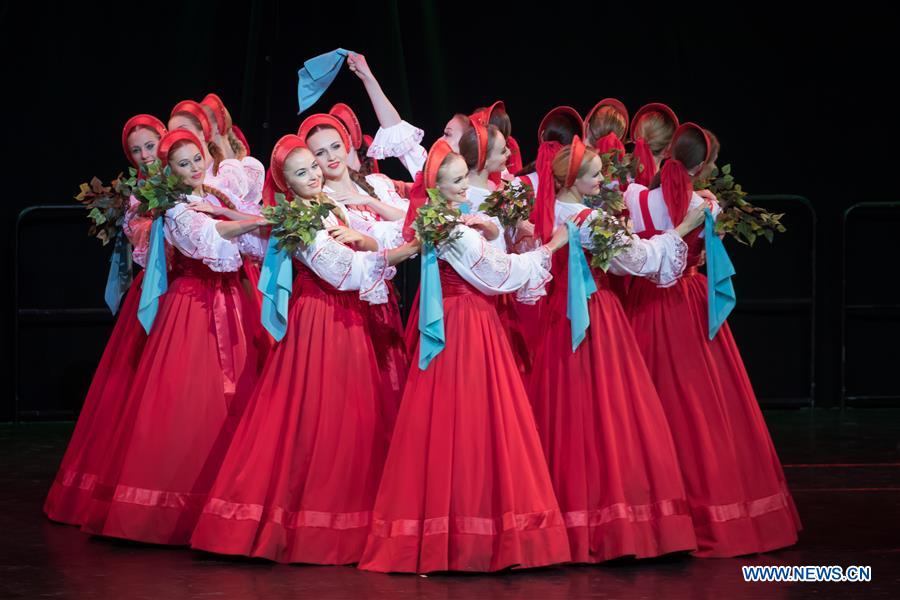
843 469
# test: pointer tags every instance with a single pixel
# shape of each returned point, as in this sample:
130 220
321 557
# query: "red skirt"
737 492
263 340
196 373
509 312
100 415
465 485
605 434
385 328
299 480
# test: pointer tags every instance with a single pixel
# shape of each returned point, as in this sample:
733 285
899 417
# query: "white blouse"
402 141
388 234
656 204
475 196
494 272
661 259
255 173
345 268
194 234
231 179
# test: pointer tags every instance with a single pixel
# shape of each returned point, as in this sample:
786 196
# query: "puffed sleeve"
386 191
137 229
255 173
402 141
231 179
494 272
661 258
698 200
194 234
388 234
348 269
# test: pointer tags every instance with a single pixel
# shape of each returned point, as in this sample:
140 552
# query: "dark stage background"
800 103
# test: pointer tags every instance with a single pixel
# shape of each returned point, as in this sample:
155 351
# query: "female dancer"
604 431
77 476
299 480
736 489
465 486
195 374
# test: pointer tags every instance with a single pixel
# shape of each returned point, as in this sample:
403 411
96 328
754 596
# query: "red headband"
425 179
194 109
653 107
346 115
215 104
240 135
481 136
560 110
281 151
577 154
675 180
313 121
683 128
440 150
642 151
484 115
612 103
172 138
137 121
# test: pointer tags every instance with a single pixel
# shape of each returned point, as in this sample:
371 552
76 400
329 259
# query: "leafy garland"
511 203
739 218
620 167
107 205
295 223
618 170
159 190
436 220
609 237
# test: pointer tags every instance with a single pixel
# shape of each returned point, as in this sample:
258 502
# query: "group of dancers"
511 445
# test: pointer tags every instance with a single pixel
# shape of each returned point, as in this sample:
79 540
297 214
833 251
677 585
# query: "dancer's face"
498 156
181 121
329 151
453 181
142 144
187 162
589 183
302 173
453 130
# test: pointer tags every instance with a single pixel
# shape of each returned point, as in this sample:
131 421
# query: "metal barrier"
860 310
80 314
777 305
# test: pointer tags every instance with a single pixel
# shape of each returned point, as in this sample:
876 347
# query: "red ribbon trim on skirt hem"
743 510
632 513
467 525
156 498
288 519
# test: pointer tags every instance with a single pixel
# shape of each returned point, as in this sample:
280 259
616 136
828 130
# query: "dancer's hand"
353 198
693 219
560 238
359 67
345 235
710 198
206 207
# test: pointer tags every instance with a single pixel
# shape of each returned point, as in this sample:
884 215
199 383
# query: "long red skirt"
385 327
509 313
299 480
100 415
736 489
195 376
465 485
263 340
610 452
